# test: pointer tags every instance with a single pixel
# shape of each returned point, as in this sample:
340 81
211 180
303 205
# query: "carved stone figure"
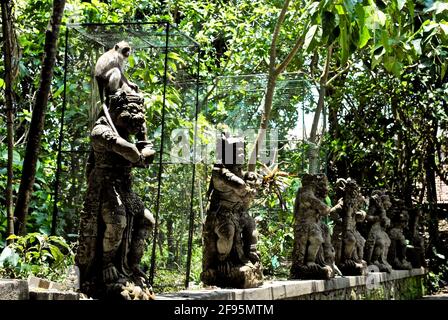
346 239
230 256
313 254
397 250
114 223
378 242
415 251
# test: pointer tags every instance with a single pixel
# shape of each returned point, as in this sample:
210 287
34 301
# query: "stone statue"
378 242
313 254
415 251
114 223
397 250
346 239
230 256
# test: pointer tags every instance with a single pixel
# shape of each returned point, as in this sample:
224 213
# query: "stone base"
314 272
11 289
397 285
352 268
53 294
243 277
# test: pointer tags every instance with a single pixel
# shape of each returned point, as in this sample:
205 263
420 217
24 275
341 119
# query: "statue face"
130 119
386 202
322 187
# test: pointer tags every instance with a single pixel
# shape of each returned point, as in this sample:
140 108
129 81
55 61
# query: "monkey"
109 71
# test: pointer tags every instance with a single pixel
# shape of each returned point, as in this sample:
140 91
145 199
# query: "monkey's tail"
95 108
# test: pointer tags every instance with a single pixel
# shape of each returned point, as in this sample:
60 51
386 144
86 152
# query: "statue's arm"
335 212
319 205
371 216
231 178
103 137
360 215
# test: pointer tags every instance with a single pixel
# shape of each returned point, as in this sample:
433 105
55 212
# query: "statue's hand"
237 180
110 273
148 155
133 86
251 176
254 256
225 267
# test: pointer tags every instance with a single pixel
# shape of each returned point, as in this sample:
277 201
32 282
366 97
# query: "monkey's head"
123 48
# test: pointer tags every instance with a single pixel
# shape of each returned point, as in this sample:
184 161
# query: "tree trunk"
8 39
170 242
268 99
314 148
431 195
38 118
337 167
274 71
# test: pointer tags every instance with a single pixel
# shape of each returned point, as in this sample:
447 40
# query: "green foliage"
36 254
387 99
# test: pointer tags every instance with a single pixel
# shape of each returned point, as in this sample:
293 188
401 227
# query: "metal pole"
159 176
191 225
61 136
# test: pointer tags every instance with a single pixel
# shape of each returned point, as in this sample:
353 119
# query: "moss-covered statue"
114 223
346 239
399 222
230 256
313 254
378 242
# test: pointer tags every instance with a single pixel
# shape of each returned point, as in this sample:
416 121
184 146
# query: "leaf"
310 36
444 27
12 237
56 253
443 70
364 37
393 66
10 256
60 241
175 56
438 7
377 54
400 4
5 254
417 46
58 92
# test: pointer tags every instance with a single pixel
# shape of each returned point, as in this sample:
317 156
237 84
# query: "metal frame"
166 47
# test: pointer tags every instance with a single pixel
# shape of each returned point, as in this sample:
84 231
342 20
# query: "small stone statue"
313 254
378 242
415 251
230 256
397 250
114 223
347 241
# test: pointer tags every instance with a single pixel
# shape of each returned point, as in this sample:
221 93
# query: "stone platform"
398 285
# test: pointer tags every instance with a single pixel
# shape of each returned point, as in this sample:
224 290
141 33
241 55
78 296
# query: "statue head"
400 214
230 150
317 182
349 190
385 199
128 112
